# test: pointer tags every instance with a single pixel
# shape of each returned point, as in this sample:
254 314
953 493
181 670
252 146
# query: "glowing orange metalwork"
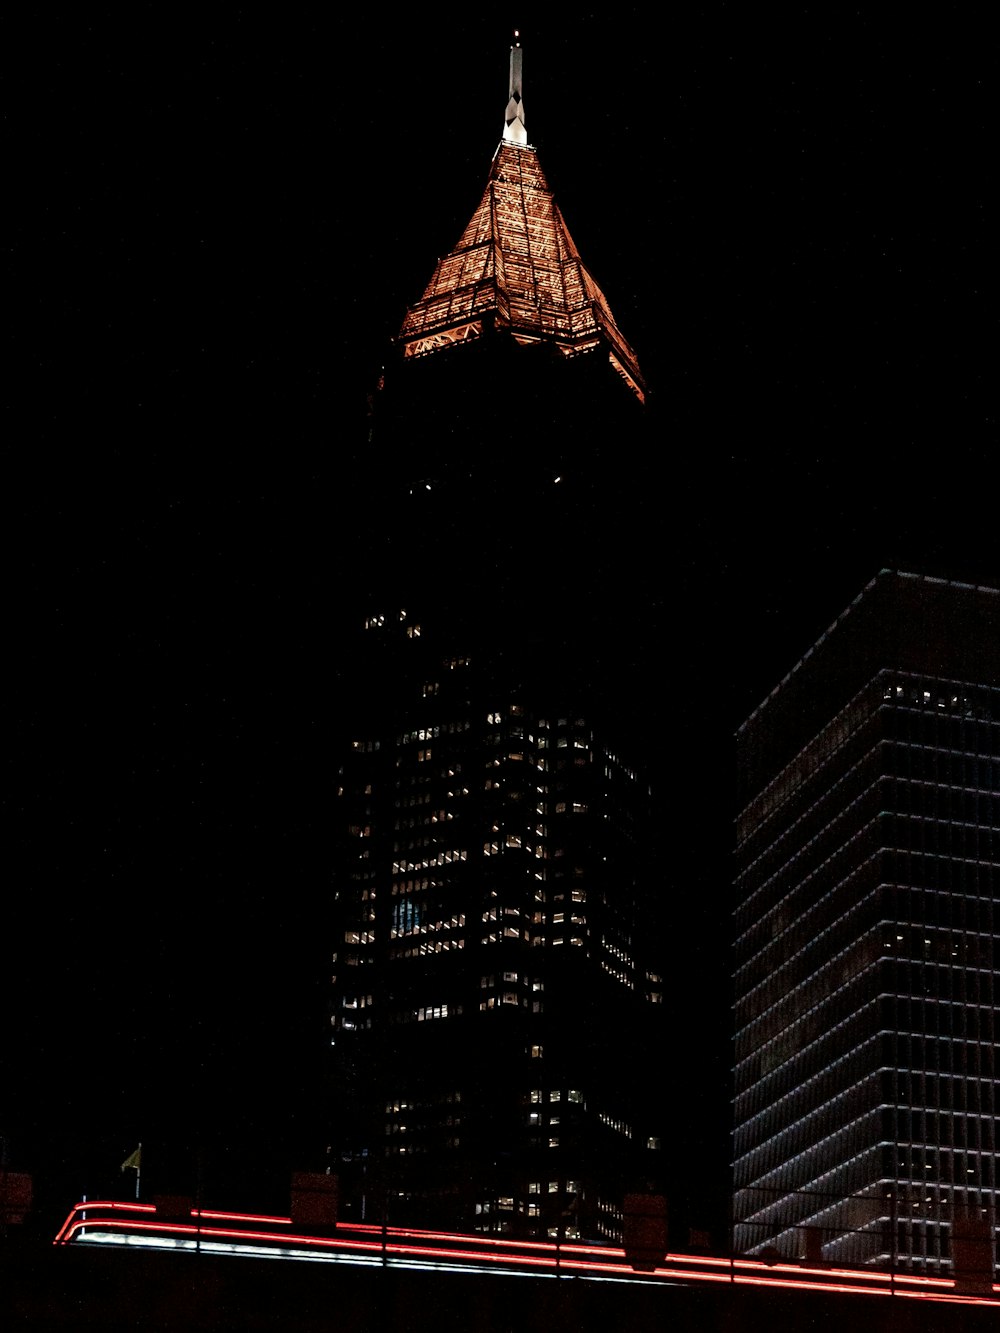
516 265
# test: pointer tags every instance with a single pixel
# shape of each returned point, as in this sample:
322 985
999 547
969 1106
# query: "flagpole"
138 1170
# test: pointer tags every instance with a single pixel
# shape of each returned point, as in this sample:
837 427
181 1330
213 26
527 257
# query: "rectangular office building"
867 957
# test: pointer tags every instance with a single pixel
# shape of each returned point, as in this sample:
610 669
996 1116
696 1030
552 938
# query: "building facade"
495 992
496 985
867 962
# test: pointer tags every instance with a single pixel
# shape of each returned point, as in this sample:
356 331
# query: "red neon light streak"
535 1260
950 1298
460 1236
229 1233
134 1207
608 1251
79 1207
484 1251
857 1275
912 1278
547 1245
811 1286
611 1251
623 1270
677 1275
705 1259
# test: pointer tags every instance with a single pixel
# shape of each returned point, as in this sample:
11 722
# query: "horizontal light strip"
469 1255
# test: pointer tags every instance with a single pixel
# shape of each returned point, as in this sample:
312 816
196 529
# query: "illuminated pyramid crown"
516 268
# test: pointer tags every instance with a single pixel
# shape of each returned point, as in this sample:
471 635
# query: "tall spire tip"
513 130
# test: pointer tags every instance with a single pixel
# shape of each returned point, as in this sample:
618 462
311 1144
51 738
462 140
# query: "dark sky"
217 223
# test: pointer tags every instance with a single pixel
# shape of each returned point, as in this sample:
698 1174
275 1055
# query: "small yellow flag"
134 1162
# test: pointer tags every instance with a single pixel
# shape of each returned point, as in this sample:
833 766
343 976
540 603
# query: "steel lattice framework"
516 269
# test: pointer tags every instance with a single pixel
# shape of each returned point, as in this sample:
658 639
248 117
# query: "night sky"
216 226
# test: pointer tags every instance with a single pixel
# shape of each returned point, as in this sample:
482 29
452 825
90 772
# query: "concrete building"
867 964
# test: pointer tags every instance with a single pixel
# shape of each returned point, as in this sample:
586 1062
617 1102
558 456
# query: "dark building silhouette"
867 960
496 980
495 988
507 451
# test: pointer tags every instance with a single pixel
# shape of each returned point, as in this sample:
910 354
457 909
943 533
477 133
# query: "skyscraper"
505 459
867 965
496 979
